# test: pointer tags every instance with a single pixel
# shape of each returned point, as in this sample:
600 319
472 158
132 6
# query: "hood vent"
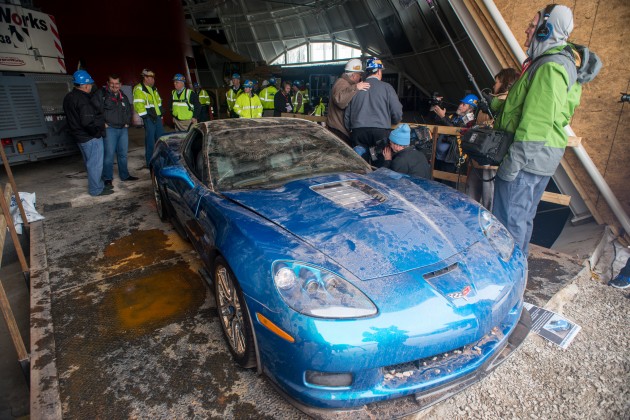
350 194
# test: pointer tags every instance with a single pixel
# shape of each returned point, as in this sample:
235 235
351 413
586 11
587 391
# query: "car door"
185 196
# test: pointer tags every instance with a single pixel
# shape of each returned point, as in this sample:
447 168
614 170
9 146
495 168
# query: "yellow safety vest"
297 95
145 98
204 98
182 108
231 96
267 95
248 106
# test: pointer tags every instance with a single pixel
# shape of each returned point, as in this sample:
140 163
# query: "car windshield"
266 158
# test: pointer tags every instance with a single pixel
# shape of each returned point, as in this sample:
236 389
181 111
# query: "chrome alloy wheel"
230 313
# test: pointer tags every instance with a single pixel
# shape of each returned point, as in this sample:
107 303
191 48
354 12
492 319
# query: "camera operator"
402 158
446 153
371 113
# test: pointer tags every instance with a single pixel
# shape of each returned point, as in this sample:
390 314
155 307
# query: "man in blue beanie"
402 158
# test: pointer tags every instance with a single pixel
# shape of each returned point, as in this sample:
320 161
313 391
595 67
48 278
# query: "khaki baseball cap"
147 73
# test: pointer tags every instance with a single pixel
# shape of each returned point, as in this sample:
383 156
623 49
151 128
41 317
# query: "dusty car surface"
347 286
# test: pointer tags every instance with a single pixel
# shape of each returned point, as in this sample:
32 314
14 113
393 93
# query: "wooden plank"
14 331
216 47
18 201
561 199
16 241
8 192
449 176
589 204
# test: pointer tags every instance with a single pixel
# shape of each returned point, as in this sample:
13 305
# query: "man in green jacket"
538 107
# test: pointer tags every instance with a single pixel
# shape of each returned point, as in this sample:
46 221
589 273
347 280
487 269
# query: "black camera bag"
485 145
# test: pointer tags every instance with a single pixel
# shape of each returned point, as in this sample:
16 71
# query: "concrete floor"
134 326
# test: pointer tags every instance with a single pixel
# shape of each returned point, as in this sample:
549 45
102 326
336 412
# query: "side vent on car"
350 194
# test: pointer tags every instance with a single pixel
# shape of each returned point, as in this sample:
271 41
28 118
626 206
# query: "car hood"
373 225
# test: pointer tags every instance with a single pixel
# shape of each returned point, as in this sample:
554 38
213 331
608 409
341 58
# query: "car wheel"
233 315
159 199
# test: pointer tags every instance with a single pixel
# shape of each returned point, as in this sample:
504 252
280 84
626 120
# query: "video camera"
436 100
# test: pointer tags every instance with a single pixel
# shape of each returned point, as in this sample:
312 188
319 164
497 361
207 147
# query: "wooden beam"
449 176
216 47
14 331
561 199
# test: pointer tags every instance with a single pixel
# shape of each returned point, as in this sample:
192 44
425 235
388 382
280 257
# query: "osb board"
602 122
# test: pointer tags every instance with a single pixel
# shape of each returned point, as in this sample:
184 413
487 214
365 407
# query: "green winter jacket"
538 107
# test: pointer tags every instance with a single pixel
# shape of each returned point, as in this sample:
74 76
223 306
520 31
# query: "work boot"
106 191
131 178
622 281
108 185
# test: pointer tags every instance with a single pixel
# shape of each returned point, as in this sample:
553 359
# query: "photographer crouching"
447 153
403 158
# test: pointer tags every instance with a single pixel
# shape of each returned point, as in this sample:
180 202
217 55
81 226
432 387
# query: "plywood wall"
602 122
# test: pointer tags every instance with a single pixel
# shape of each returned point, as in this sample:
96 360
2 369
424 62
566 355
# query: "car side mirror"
177 172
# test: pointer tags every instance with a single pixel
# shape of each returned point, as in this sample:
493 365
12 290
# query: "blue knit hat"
401 135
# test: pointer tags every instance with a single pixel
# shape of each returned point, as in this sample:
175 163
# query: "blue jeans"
115 143
515 203
153 130
92 151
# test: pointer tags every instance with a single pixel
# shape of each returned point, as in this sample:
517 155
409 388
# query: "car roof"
257 123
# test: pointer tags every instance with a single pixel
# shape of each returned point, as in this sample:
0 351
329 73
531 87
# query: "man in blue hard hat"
87 125
185 105
447 153
233 92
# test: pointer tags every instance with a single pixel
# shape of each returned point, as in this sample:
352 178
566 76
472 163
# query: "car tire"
162 211
233 315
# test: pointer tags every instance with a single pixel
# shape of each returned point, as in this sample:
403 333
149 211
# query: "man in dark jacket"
116 109
402 158
87 126
371 113
282 100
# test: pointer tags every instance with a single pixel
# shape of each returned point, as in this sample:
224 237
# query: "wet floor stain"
144 303
141 248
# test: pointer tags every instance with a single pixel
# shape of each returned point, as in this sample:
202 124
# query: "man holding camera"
404 159
371 113
446 154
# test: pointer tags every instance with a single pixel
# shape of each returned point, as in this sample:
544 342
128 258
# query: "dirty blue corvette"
354 290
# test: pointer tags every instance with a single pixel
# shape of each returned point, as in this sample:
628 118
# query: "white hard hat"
265 83
354 66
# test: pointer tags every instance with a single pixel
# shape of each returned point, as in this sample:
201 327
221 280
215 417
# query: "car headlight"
318 292
498 236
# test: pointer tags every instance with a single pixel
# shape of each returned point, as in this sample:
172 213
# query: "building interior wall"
601 120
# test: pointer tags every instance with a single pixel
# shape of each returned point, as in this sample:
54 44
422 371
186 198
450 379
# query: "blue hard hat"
470 99
272 81
81 77
248 84
179 78
236 76
297 83
195 85
374 63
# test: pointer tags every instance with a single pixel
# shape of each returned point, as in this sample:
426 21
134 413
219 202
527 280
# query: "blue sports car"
350 288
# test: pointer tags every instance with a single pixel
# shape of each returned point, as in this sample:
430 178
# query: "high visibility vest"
305 94
145 98
204 98
182 108
266 96
231 96
320 109
295 103
248 106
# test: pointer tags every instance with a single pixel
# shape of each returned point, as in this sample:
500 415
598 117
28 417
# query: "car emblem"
460 295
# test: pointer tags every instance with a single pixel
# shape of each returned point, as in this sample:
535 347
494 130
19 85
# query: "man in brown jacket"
342 93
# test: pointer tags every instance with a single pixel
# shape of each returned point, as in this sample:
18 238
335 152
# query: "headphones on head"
545 29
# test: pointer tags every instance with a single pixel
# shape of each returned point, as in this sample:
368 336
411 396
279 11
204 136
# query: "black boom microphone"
483 103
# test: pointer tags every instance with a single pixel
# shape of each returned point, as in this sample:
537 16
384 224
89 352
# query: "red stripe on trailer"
62 63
